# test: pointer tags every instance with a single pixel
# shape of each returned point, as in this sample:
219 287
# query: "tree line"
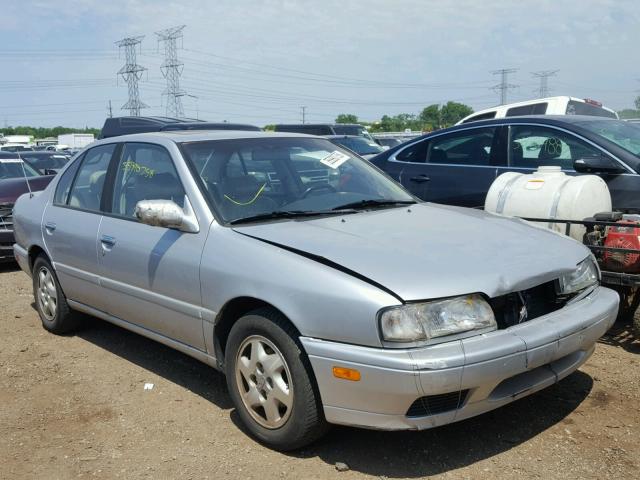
42 132
430 118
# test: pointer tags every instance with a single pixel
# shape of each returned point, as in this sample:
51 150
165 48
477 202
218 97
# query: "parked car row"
16 177
324 290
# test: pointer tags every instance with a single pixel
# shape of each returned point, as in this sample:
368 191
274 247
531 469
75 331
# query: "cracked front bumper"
488 370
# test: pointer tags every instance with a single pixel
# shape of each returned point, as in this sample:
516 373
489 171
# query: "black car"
457 165
362 146
125 125
45 162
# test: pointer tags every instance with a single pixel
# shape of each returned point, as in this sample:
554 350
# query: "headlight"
424 321
587 274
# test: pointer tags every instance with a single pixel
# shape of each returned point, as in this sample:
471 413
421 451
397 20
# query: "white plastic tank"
549 193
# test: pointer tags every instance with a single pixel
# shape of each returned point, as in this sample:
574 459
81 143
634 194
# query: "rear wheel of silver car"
271 382
55 314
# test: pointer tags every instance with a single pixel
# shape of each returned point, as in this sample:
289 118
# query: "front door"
151 274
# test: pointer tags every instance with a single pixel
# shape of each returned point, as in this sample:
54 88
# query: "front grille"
6 216
434 404
518 307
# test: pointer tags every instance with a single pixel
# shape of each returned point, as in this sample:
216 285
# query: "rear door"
70 226
455 168
150 274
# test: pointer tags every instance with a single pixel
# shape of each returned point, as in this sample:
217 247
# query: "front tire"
271 382
55 314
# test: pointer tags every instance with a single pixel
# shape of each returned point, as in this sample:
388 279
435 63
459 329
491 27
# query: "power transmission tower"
304 114
172 69
543 90
504 86
132 72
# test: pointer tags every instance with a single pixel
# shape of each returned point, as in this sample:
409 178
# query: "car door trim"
76 273
169 303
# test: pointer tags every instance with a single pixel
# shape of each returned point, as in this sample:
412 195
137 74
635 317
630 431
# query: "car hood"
12 188
428 250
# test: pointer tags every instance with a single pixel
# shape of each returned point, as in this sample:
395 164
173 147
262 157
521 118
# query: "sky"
259 62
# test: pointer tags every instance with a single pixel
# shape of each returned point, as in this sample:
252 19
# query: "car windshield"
43 162
16 168
259 176
623 134
360 145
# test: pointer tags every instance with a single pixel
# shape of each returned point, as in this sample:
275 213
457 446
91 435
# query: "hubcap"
47 295
264 382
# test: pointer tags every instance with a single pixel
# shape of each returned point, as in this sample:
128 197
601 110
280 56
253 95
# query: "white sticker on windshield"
10 160
335 159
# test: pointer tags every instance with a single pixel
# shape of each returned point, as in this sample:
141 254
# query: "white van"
544 106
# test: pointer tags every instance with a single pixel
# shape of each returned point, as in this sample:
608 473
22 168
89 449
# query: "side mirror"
598 164
167 214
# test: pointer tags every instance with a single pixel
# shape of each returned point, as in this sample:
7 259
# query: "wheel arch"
231 312
35 251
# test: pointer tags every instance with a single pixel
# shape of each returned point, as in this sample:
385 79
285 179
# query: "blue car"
457 165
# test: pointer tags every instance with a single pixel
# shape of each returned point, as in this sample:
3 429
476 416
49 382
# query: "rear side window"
86 192
416 153
468 147
64 184
348 130
482 116
583 108
533 109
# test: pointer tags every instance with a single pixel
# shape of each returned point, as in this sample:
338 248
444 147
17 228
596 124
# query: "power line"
132 72
543 75
504 86
172 69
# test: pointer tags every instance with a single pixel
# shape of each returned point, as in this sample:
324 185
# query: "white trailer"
76 140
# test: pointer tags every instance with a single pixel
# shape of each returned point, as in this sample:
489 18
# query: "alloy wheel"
264 382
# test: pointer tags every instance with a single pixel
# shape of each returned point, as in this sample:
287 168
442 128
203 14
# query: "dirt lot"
75 406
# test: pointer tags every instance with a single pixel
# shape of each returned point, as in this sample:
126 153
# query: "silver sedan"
324 291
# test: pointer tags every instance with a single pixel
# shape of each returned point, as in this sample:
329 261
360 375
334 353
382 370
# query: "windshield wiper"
278 214
374 203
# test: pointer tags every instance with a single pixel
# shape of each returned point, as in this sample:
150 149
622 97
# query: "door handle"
108 241
50 227
420 179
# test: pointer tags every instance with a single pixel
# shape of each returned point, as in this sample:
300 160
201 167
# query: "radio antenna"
26 179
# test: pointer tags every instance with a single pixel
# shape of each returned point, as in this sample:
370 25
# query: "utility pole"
543 75
132 72
110 110
196 99
504 86
172 69
304 114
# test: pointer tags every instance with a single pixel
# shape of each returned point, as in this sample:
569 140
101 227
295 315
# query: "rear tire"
52 306
271 382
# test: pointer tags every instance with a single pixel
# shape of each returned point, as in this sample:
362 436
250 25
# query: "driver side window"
534 146
145 172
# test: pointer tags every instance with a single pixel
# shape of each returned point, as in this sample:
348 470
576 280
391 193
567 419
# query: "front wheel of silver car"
271 382
55 314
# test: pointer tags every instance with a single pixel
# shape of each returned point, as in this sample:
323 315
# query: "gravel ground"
75 406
